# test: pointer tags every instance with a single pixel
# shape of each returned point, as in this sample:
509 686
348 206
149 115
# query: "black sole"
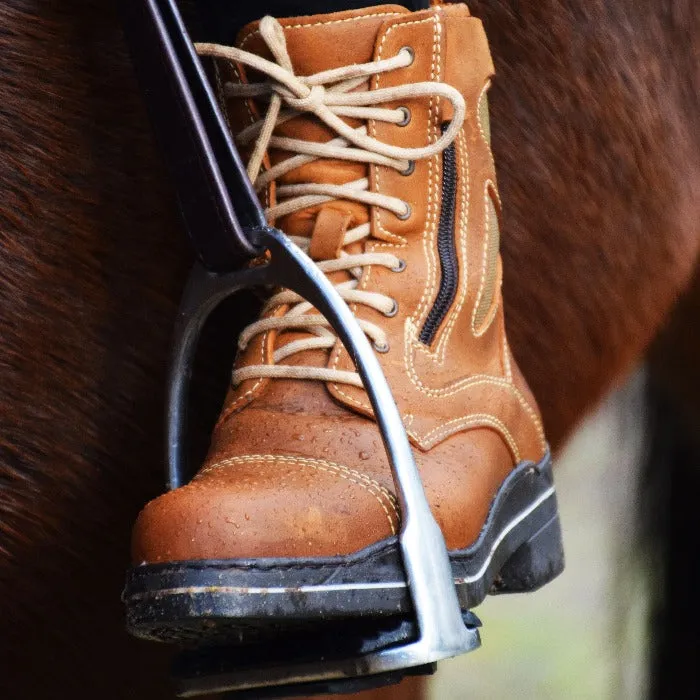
220 601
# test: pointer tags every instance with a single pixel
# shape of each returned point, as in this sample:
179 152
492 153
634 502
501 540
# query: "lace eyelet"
381 347
410 169
400 267
411 53
406 117
406 214
393 310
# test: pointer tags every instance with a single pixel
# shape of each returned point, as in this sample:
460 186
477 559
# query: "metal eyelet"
410 169
381 347
407 214
411 52
393 310
406 117
400 267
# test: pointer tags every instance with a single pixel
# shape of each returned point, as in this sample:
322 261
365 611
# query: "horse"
598 153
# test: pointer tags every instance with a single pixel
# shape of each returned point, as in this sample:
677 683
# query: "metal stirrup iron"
227 227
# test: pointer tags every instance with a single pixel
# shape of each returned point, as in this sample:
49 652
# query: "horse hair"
594 114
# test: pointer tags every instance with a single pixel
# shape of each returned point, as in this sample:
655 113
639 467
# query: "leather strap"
220 209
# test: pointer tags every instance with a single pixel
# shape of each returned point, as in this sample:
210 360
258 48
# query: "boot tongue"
314 44
319 43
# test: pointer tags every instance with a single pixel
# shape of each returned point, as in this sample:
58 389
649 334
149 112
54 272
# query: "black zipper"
447 249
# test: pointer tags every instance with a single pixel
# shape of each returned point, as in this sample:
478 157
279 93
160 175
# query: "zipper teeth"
447 250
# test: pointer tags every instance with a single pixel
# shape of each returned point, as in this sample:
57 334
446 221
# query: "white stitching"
340 470
256 32
507 368
473 380
473 420
482 95
432 194
241 400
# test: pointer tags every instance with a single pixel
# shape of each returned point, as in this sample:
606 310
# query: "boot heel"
535 563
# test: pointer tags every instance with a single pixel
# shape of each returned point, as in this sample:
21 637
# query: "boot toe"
254 506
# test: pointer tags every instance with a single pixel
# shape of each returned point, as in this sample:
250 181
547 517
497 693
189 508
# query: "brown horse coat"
596 136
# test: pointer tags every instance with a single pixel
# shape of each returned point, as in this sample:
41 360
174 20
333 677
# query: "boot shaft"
445 351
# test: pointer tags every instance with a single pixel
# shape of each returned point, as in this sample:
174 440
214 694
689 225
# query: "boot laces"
328 95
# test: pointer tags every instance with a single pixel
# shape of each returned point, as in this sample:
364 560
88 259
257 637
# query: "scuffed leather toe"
265 506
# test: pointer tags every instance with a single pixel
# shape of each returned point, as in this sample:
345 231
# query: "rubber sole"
219 601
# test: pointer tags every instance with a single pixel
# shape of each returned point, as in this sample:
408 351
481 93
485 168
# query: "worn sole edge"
523 516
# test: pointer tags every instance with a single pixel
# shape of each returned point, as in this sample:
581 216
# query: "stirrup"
442 630
227 227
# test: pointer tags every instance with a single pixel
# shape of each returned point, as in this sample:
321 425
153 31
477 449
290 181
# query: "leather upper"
297 468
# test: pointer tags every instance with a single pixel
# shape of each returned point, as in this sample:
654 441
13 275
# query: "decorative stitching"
432 165
482 96
369 15
242 399
441 349
428 238
429 234
467 382
277 458
323 465
473 420
432 125
376 215
380 550
507 368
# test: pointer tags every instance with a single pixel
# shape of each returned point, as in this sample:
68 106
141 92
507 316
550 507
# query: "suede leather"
297 468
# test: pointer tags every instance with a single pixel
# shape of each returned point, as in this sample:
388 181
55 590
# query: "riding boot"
366 135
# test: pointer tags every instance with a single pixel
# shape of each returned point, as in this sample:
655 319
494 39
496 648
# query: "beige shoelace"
329 95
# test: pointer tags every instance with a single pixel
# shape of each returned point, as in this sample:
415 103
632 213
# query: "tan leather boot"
367 136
